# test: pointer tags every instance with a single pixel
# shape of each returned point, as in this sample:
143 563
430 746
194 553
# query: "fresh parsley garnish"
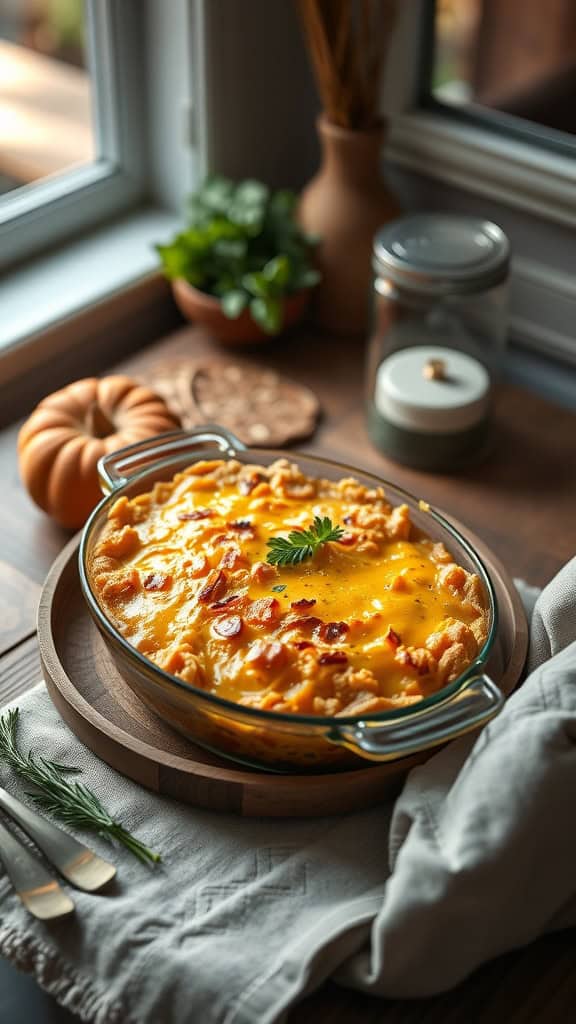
279 587
300 545
73 802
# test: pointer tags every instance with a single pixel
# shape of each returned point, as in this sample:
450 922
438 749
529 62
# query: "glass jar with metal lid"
438 337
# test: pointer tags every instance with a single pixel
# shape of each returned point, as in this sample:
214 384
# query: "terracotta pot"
204 309
345 204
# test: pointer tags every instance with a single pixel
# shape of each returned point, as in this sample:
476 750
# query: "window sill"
111 276
42 299
543 376
530 178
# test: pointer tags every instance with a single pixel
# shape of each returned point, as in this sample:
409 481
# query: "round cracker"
172 380
263 408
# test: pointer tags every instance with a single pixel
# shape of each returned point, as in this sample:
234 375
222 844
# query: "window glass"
516 57
46 119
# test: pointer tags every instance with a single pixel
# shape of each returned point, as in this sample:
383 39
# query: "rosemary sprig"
72 802
300 545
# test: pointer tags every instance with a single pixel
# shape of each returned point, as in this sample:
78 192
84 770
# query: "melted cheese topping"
379 619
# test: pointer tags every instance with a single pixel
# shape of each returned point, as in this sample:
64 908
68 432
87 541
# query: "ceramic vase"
344 205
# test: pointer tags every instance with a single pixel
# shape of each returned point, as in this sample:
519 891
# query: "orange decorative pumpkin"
60 444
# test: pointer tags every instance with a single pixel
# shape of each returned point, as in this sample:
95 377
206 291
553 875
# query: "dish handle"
114 470
476 704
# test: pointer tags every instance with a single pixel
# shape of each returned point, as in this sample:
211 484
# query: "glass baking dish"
268 739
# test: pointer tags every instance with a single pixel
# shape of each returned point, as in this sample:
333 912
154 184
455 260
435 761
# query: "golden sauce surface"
378 619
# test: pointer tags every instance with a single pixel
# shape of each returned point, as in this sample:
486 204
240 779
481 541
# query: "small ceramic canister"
439 331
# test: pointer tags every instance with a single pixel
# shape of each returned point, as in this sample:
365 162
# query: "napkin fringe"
54 975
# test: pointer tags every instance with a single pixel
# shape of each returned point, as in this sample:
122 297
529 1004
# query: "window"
46 122
457 110
77 243
70 130
480 113
508 65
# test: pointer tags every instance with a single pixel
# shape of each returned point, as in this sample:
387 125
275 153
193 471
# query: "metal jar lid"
439 253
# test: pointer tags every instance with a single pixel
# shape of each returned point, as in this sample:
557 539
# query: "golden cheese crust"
377 620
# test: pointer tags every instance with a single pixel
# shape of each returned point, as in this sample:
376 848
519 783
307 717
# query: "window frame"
109 253
456 163
197 113
43 213
203 111
468 150
473 114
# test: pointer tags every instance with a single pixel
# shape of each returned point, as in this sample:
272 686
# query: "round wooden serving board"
108 717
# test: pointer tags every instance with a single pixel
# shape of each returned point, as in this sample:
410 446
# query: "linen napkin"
245 916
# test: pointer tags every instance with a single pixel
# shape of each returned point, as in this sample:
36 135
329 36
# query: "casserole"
254 734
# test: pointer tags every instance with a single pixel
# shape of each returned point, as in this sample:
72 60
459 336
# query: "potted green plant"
242 266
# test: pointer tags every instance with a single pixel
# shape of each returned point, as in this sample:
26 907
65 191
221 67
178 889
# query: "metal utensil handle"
36 887
473 706
72 859
115 469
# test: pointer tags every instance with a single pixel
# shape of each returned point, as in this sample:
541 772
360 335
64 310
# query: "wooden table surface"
521 500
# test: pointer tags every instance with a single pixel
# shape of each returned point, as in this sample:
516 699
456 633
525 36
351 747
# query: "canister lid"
432 389
442 252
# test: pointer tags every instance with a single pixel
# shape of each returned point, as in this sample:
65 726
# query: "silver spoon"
75 862
37 888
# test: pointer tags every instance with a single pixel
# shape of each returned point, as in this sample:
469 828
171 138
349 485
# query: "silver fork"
72 859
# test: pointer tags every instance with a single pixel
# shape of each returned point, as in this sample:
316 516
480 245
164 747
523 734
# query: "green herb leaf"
300 545
277 271
73 802
267 313
175 260
279 587
308 278
231 250
257 285
251 193
233 303
214 195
